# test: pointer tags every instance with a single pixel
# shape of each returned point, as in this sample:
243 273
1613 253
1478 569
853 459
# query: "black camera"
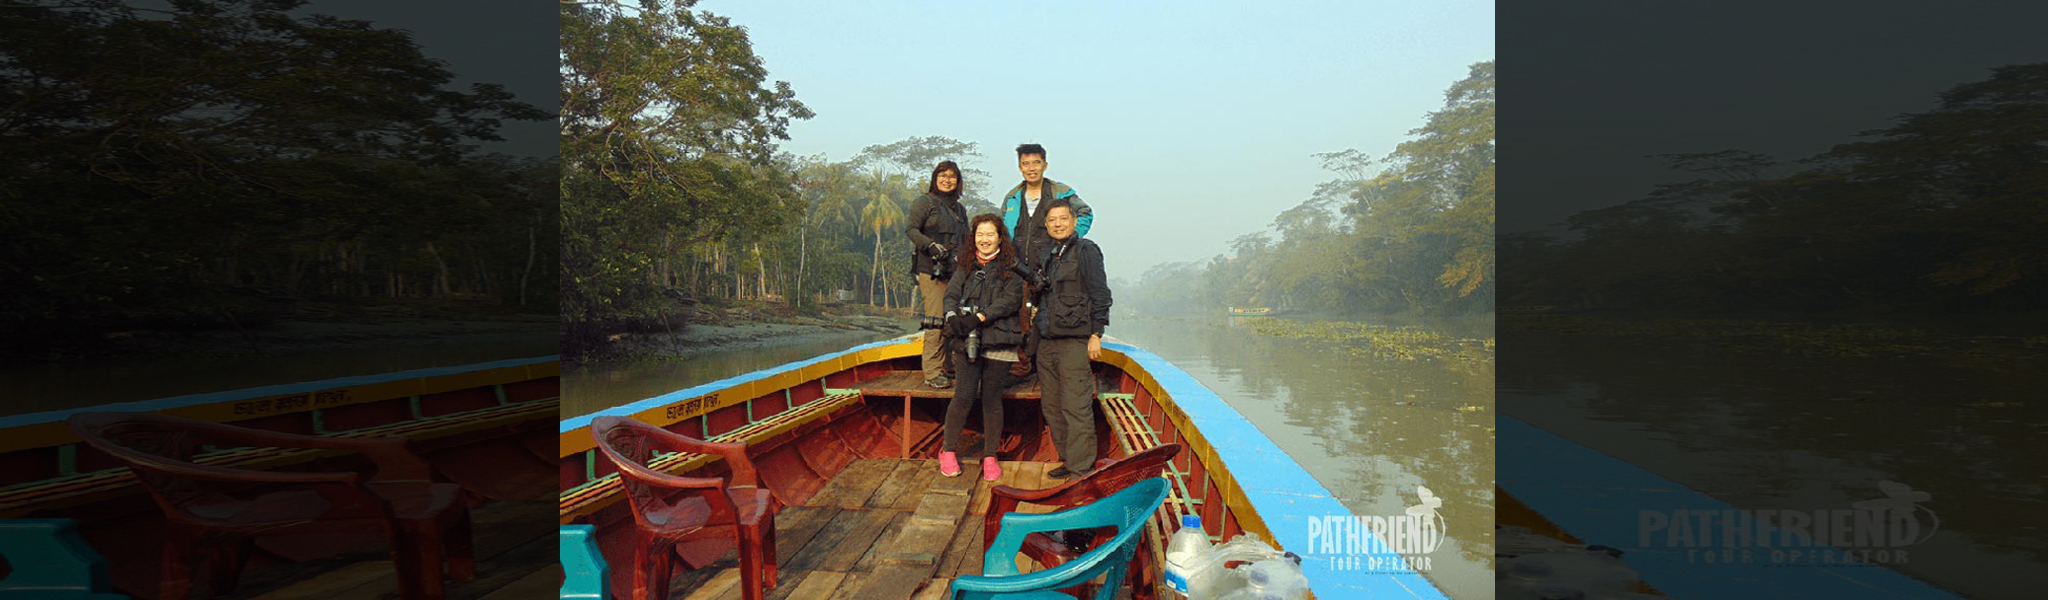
1031 276
942 264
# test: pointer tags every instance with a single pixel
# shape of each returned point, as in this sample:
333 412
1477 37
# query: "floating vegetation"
1811 339
1990 404
1366 340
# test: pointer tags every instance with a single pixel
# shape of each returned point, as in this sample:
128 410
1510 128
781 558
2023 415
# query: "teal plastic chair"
46 560
583 568
1126 510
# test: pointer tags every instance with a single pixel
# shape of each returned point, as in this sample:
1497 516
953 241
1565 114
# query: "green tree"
884 211
161 162
668 130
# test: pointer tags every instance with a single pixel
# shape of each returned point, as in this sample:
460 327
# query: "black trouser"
982 379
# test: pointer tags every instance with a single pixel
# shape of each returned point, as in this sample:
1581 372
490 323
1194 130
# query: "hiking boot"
949 464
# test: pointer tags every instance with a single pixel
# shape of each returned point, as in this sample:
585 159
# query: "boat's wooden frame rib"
1597 497
47 468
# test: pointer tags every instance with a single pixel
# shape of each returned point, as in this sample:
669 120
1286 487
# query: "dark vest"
1067 309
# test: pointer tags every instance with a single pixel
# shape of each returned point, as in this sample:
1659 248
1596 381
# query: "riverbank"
744 325
313 328
315 341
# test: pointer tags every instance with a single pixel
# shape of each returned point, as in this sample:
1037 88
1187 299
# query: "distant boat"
1251 312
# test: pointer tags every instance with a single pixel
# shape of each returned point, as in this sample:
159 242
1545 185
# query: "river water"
1763 429
1369 430
47 387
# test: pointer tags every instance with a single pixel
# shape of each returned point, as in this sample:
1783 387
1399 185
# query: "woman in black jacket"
982 303
936 225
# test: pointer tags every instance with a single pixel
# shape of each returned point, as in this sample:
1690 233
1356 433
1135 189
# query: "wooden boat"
481 425
1250 312
843 442
1566 491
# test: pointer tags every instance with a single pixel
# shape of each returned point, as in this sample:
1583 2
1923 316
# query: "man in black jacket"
1072 312
936 224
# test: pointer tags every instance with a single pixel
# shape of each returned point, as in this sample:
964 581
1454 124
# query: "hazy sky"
1593 87
1185 124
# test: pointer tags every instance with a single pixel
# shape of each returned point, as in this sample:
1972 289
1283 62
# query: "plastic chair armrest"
1032 496
1010 537
1056 577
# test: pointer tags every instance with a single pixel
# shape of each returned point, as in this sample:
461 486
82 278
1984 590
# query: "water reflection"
1369 430
1768 430
72 385
597 387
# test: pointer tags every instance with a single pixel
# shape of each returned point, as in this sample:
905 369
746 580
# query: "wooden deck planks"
512 540
913 532
794 528
852 487
866 528
902 488
817 584
883 542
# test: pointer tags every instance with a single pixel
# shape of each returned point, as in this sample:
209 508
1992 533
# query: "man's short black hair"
1023 149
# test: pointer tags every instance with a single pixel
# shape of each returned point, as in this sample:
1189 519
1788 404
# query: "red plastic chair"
688 516
1109 477
213 513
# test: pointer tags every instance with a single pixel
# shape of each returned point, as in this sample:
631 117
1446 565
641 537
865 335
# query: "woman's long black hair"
959 182
1006 254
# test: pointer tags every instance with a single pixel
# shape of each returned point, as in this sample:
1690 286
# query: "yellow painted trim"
578 440
43 435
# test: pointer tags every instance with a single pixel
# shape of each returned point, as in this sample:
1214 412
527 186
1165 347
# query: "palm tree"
884 210
828 201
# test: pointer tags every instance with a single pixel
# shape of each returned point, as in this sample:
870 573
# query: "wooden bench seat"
602 491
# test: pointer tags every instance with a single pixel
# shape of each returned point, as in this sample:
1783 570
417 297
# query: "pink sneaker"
989 469
949 465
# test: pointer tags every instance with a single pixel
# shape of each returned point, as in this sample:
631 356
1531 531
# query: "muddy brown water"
57 386
1768 430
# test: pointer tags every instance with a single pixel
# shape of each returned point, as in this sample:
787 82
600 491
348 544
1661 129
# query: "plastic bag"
1216 579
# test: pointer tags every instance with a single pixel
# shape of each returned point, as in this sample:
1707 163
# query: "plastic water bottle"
1274 579
1186 551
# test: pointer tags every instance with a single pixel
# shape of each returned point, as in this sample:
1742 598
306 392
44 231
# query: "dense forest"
674 193
1410 233
1941 212
200 164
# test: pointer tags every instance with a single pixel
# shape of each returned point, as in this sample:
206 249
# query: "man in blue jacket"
1024 206
1024 217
